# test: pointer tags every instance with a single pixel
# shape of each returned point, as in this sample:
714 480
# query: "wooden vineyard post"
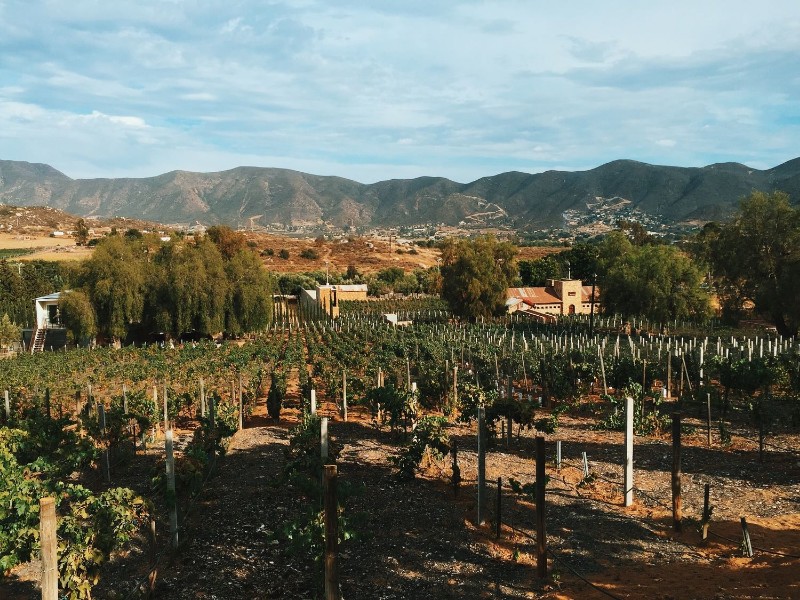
172 501
676 472
49 543
8 407
153 559
241 404
313 402
669 375
706 510
106 461
408 373
708 418
455 386
602 370
124 399
628 479
747 546
166 409
331 508
202 398
481 465
155 405
344 395
323 438
558 456
498 521
456 477
541 541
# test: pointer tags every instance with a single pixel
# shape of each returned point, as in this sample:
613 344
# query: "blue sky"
390 89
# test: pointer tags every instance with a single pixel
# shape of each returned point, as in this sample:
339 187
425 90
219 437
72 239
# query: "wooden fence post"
202 398
676 472
172 500
541 541
558 455
106 460
323 441
746 544
166 409
456 477
706 509
331 508
498 522
481 465
344 395
628 479
49 544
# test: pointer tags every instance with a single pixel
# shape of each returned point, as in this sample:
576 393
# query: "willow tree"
114 279
476 275
189 289
248 306
78 316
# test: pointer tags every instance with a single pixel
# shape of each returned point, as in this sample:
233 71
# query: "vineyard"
397 409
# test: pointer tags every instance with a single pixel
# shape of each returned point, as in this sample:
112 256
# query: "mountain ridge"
268 195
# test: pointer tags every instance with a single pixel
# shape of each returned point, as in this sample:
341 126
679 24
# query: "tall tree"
659 282
189 289
476 274
10 332
249 303
114 278
78 316
756 258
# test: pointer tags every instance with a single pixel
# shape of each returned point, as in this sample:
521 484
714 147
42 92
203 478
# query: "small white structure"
47 314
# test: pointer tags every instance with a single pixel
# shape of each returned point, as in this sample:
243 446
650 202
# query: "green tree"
227 240
476 274
656 281
78 316
537 272
10 332
81 233
115 278
756 258
189 289
249 304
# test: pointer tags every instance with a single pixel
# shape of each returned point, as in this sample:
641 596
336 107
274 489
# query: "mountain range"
262 196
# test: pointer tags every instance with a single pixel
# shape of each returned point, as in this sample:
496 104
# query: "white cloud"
460 89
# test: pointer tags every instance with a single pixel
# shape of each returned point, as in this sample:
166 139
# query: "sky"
396 89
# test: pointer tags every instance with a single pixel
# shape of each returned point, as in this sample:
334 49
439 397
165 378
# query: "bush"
309 254
283 253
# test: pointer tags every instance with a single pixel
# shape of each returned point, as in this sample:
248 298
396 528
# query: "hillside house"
48 331
558 297
327 297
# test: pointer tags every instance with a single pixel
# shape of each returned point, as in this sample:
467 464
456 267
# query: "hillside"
279 197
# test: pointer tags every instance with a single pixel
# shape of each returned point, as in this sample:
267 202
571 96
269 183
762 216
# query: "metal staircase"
39 336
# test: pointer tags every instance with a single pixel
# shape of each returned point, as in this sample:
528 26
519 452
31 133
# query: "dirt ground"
367 254
419 539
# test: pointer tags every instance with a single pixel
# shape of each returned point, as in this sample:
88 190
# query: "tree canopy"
756 258
656 281
178 287
476 274
78 316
